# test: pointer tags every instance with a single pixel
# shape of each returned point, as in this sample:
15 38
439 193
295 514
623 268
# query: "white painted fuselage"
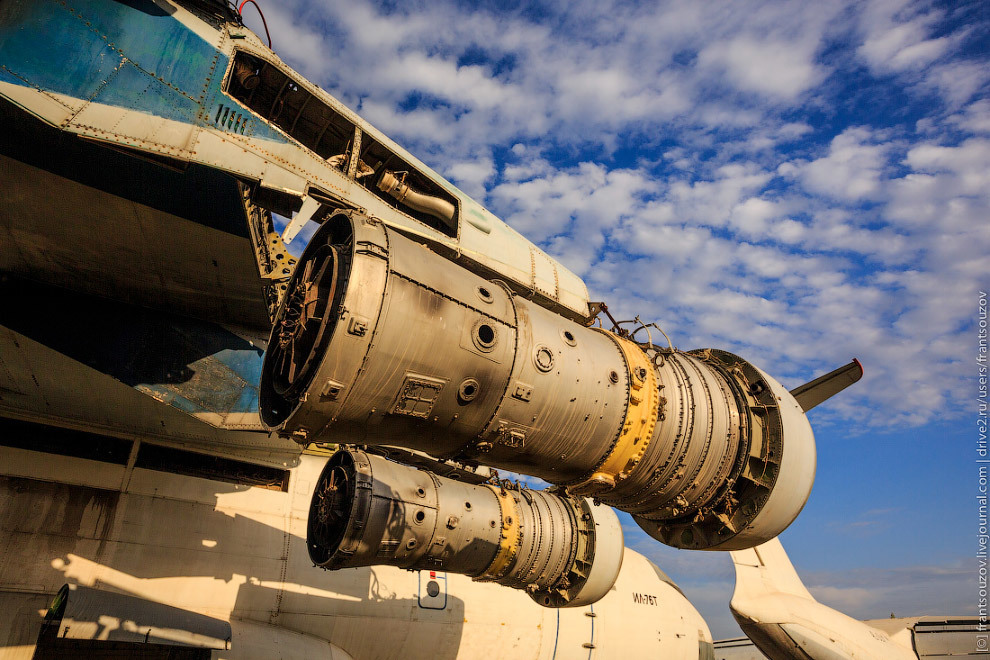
777 612
238 554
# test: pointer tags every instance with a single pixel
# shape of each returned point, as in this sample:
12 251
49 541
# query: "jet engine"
367 510
382 341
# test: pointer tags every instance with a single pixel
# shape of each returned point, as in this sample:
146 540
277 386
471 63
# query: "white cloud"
752 217
852 169
417 123
957 82
903 591
710 202
527 169
441 77
975 118
578 203
969 163
891 45
754 64
472 175
791 312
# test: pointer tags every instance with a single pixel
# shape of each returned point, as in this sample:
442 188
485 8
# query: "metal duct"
400 190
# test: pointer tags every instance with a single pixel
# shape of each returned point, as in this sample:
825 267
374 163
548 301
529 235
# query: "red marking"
433 575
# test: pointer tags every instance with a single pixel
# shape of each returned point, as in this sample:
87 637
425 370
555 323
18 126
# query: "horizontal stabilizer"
824 387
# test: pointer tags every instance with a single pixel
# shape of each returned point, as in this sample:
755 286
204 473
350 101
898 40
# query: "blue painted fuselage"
156 252
131 55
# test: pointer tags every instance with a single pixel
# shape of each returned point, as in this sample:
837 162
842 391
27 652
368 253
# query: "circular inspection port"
485 336
543 357
419 517
468 390
485 294
568 337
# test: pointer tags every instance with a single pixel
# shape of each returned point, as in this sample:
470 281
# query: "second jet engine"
367 510
382 341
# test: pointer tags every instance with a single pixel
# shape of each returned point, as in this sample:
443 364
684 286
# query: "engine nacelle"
381 340
367 510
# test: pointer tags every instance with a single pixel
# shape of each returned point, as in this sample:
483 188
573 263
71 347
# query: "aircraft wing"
825 387
112 369
138 293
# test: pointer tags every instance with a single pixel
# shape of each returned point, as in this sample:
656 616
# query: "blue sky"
798 183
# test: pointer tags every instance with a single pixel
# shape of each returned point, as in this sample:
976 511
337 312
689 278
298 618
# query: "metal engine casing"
382 341
367 511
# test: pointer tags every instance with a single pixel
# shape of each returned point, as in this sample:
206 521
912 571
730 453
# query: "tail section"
766 569
784 621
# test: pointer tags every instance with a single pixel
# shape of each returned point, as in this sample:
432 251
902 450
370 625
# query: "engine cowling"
380 340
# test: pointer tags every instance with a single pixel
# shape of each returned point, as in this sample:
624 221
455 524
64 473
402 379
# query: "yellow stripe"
508 541
637 427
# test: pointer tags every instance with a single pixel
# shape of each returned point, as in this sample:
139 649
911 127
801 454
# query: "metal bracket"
510 437
523 392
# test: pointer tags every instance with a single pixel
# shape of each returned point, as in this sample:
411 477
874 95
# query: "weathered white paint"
238 554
